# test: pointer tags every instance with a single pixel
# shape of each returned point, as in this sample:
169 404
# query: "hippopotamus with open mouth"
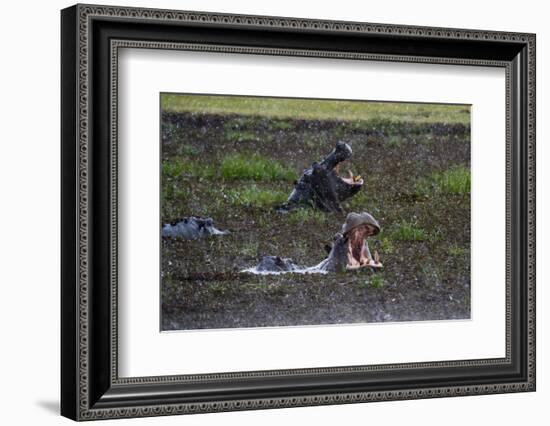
349 250
321 185
191 228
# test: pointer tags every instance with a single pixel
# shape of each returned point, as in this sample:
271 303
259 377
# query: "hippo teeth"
352 179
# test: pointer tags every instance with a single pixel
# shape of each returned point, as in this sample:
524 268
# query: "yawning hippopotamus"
322 187
191 228
349 250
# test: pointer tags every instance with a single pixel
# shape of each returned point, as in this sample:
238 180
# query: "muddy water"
202 285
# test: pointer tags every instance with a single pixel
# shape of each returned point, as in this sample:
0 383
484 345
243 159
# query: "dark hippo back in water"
335 262
191 228
276 264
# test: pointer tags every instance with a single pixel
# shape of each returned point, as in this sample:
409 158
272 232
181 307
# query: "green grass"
359 201
386 245
457 251
282 108
182 166
455 181
306 215
253 196
377 281
185 149
240 122
406 231
255 167
218 289
240 135
281 125
174 168
249 249
232 167
395 141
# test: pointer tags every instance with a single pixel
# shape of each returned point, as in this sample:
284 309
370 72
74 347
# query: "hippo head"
356 229
345 185
191 228
323 186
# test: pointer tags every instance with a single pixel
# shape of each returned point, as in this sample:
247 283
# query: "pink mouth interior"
351 179
356 253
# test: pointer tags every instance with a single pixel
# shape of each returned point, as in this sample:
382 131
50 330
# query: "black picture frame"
90 386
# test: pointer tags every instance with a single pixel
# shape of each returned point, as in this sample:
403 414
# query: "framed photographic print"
263 212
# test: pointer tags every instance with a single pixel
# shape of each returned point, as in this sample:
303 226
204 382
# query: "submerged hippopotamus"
349 250
322 187
276 264
191 228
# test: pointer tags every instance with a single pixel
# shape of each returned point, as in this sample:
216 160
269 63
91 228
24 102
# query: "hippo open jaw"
357 254
322 186
351 181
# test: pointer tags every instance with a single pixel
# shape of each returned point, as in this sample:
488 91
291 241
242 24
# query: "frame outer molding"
76 402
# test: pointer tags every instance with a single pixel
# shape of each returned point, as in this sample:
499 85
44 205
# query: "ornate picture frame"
91 37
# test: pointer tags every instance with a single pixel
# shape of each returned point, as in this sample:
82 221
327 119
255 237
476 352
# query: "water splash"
317 269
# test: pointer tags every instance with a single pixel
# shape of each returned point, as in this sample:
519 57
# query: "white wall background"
29 217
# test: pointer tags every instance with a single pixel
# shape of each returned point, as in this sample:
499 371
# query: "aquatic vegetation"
386 245
249 249
281 125
232 167
174 168
181 166
455 181
188 149
254 167
254 196
457 251
236 135
406 231
377 281
358 202
395 140
305 215
242 122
